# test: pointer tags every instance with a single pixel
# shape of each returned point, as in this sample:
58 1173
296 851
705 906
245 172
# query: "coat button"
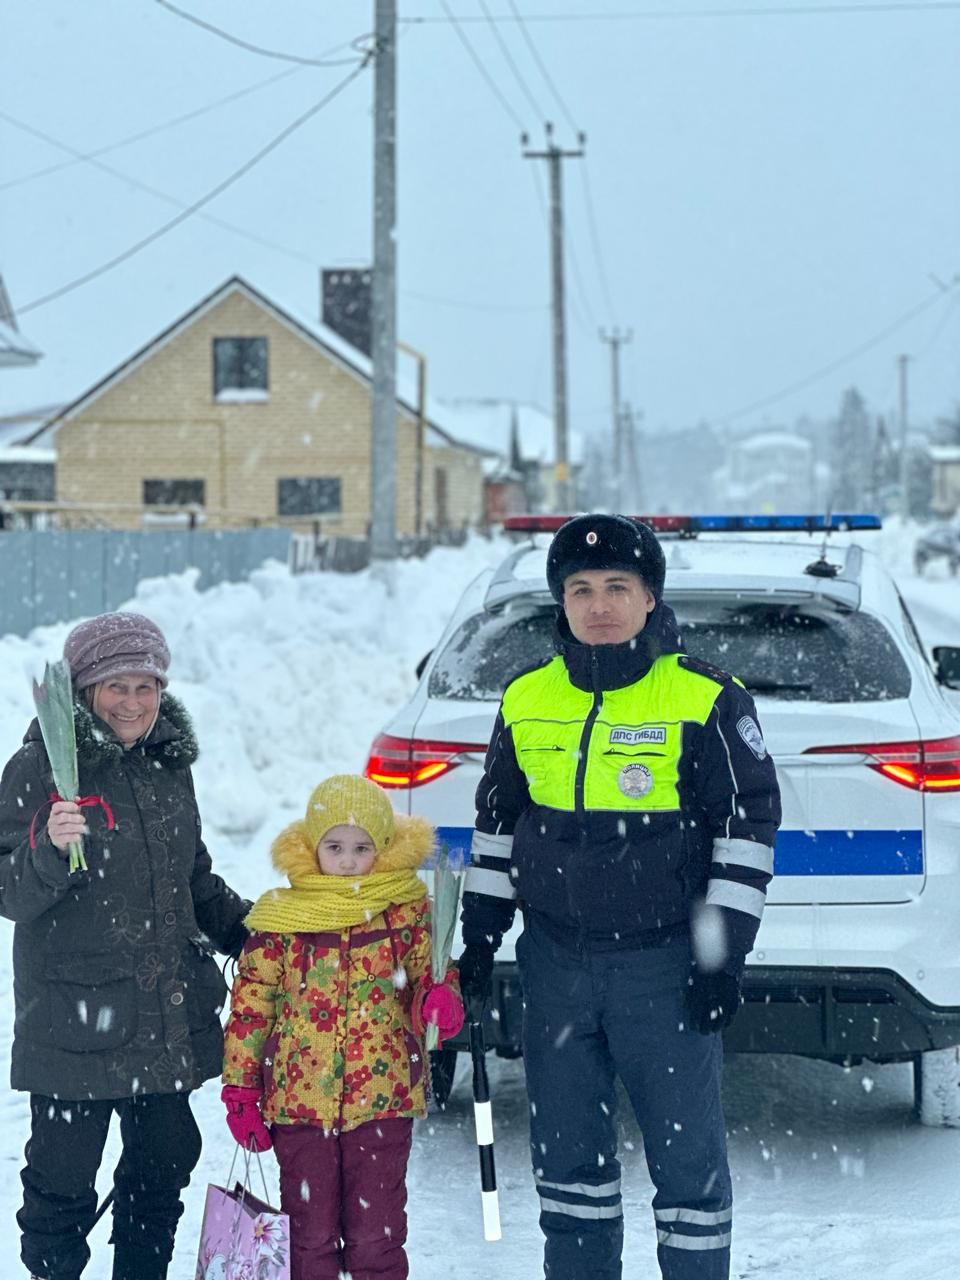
177 998
170 917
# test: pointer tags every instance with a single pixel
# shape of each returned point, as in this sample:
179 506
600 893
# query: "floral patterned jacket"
320 1022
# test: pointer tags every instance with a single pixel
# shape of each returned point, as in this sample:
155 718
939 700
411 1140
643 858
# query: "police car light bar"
691 525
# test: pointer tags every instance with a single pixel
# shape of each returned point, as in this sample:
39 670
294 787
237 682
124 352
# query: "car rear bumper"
843 1014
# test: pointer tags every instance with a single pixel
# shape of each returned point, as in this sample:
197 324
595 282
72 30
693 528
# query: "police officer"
628 806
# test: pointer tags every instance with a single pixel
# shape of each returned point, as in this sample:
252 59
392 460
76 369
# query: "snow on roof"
19 425
15 349
488 424
773 440
944 452
27 453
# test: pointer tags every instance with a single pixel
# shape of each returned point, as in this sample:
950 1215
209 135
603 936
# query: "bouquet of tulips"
53 698
445 900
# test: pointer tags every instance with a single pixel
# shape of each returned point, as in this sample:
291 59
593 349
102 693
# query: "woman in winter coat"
117 992
324 1037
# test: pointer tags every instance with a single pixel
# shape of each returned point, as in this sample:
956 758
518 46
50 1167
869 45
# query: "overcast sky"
771 192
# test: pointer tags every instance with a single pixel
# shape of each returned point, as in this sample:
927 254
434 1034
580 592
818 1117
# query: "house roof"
19 425
15 349
488 423
318 335
944 452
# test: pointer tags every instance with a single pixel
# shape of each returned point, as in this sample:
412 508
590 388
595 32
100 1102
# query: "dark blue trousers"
590 1017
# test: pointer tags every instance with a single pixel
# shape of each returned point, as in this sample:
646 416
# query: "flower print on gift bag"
242 1237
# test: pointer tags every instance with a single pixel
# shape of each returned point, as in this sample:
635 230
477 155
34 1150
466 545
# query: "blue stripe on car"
798 853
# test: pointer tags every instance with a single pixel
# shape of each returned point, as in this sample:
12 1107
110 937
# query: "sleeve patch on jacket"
749 731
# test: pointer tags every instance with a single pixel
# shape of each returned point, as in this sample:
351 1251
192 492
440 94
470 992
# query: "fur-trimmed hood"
172 739
408 848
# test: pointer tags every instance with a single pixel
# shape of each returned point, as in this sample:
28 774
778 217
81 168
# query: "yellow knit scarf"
318 902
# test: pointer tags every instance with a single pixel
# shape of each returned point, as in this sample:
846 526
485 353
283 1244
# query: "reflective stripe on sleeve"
744 853
496 884
488 846
741 897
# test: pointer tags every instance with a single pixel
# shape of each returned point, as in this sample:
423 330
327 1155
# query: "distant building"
242 412
945 458
15 349
520 441
769 472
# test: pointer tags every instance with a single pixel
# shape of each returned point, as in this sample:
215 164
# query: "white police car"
858 955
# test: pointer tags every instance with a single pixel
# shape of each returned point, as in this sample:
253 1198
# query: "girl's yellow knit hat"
349 800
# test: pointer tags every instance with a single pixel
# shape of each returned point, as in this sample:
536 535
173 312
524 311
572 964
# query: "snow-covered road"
834 1179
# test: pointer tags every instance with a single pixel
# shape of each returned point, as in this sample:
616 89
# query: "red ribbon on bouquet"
84 802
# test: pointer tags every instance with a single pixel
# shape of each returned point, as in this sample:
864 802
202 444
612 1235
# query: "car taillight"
410 762
933 765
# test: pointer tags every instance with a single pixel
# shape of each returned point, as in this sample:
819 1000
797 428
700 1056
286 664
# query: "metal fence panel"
49 575
16 582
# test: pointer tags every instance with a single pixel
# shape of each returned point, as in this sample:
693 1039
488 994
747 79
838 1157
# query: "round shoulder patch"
749 731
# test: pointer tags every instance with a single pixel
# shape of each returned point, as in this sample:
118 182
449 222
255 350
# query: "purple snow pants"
346 1195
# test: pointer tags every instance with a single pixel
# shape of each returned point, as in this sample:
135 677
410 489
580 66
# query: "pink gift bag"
242 1238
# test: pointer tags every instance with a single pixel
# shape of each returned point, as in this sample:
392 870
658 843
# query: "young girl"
324 1040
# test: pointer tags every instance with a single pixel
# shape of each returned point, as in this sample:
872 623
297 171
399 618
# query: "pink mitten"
243 1117
439 1004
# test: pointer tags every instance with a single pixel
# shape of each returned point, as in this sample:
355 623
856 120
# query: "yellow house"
246 414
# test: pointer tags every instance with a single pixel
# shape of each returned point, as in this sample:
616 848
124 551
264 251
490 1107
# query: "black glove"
712 1000
476 977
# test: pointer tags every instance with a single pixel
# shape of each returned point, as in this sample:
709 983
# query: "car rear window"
779 651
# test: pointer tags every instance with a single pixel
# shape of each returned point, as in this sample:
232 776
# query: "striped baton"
483 1120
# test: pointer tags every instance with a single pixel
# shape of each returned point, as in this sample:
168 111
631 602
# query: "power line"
838 363
205 199
79 156
256 48
505 50
129 179
656 15
491 83
548 79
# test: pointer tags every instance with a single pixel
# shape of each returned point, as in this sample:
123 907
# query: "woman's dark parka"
116 990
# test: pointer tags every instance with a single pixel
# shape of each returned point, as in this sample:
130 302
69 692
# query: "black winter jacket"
628 875
116 990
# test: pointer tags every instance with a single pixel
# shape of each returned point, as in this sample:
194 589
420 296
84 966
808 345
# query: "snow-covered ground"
288 679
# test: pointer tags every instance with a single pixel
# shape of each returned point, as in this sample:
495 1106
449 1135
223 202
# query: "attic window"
240 370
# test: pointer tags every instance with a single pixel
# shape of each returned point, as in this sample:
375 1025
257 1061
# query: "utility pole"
383 300
554 157
903 361
616 341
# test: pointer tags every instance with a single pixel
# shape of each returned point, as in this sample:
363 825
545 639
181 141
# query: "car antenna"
821 567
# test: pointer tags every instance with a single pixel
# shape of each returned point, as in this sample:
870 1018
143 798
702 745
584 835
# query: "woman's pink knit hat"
114 644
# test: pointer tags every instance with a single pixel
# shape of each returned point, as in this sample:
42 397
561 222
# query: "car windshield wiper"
771 686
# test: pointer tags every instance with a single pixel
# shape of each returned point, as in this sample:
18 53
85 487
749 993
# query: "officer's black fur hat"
605 542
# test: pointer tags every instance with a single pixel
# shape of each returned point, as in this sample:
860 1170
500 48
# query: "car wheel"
443 1068
918 564
954 566
936 1081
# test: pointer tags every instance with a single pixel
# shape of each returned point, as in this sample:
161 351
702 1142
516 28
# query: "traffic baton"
483 1121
